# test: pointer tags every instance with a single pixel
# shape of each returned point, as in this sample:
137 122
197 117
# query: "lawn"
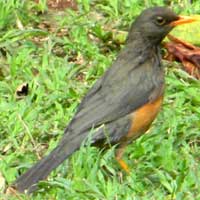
60 54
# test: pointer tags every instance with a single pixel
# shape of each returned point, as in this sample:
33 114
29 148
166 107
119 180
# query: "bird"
122 104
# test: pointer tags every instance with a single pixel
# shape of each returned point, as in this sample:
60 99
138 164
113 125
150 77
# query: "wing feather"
125 87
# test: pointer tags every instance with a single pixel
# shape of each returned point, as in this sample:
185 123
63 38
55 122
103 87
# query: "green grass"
60 68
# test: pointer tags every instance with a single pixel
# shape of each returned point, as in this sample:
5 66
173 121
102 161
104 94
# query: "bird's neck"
142 41
143 46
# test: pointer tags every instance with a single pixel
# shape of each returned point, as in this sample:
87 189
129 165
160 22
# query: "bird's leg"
118 156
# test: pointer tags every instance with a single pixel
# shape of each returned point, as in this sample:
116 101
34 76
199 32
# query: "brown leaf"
191 69
184 52
12 192
35 71
2 183
61 4
22 91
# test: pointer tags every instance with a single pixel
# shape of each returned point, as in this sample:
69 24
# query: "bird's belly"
143 117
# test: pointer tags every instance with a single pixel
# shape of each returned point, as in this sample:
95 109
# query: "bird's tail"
28 181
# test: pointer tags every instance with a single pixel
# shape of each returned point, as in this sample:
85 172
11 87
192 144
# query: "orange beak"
183 20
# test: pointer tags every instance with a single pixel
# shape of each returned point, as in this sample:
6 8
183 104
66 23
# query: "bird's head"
153 24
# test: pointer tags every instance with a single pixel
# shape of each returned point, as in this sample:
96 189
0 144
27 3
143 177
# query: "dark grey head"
153 24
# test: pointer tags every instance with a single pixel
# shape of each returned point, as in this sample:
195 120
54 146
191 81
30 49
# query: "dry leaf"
35 71
61 4
2 183
22 91
184 52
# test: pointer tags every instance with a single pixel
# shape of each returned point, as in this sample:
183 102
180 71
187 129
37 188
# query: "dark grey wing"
124 87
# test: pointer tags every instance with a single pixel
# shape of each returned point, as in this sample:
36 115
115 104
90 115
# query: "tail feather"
28 181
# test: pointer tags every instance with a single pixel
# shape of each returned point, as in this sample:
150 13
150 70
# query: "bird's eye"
160 20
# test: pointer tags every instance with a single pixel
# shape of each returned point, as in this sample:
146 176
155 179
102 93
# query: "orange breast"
143 117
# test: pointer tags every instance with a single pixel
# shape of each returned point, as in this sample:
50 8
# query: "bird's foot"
123 165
